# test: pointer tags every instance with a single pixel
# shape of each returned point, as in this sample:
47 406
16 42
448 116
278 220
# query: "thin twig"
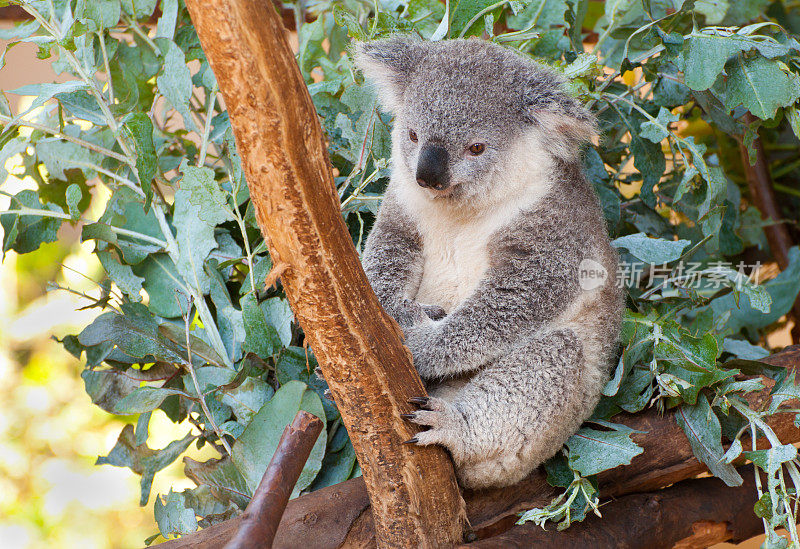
212 99
60 215
200 396
108 69
66 137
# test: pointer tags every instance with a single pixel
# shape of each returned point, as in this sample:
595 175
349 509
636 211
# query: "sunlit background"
51 493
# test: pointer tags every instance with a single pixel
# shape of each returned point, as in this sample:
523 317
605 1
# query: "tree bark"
338 516
413 490
263 514
693 514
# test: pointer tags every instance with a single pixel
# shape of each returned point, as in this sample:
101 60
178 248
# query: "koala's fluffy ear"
388 64
566 122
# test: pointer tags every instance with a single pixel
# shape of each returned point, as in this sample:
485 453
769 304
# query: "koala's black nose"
432 167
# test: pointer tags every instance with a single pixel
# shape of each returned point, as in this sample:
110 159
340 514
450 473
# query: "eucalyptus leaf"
652 250
175 83
24 233
702 428
199 207
254 448
122 275
139 8
224 479
782 290
261 337
73 196
172 515
141 459
143 399
134 335
706 53
141 130
761 86
592 451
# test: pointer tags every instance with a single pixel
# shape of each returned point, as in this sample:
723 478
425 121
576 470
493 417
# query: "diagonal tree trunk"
263 514
413 491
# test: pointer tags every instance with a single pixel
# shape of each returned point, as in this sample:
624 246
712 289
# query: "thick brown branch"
339 516
414 495
691 514
259 523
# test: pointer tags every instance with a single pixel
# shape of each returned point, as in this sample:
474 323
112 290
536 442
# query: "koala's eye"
476 149
412 135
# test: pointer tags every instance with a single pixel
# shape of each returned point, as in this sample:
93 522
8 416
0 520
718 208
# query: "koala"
478 248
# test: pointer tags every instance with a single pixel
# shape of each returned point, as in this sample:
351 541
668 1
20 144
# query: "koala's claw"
441 422
411 441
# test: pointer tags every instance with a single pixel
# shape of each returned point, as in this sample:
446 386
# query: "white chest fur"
456 258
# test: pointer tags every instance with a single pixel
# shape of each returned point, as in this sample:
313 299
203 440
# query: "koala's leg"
513 414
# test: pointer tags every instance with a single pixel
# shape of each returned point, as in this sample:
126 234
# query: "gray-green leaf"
655 251
761 86
703 430
592 451
254 448
172 515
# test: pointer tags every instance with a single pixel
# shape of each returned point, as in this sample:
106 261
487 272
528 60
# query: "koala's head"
465 108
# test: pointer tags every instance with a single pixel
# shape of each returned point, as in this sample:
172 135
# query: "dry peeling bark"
413 490
338 516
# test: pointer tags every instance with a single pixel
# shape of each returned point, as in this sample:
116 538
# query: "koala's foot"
446 424
512 414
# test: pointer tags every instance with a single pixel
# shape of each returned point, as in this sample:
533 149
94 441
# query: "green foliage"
186 326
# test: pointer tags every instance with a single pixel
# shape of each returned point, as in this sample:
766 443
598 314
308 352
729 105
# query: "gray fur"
515 358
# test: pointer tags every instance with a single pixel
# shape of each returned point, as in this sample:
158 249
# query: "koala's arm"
524 290
393 262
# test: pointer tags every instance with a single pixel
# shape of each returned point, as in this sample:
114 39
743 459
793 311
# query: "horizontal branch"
339 516
691 514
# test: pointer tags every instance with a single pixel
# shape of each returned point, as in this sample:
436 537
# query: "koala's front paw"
409 313
446 423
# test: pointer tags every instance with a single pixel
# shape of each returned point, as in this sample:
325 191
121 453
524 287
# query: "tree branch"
692 514
341 516
415 498
259 523
759 181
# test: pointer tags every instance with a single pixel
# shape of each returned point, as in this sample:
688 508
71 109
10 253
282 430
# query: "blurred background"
51 493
